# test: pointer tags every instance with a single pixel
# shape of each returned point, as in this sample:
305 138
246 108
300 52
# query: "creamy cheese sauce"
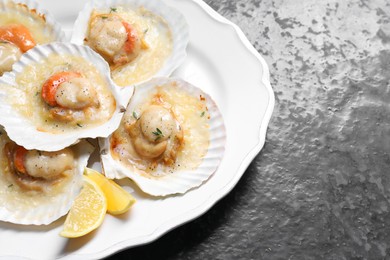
17 199
20 14
157 41
191 112
32 106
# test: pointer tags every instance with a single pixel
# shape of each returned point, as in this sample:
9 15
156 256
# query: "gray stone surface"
320 187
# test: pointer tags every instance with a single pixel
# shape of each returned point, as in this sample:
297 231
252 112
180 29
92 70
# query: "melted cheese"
32 106
189 111
157 45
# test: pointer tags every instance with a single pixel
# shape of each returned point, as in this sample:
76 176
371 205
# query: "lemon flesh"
119 200
87 212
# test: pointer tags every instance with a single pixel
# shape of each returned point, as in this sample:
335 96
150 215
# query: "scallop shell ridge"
177 182
58 205
173 17
24 132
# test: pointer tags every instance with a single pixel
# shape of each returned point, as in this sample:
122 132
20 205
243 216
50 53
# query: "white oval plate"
223 63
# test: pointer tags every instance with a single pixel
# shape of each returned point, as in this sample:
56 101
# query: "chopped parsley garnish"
113 9
9 186
79 125
158 134
202 114
135 115
104 17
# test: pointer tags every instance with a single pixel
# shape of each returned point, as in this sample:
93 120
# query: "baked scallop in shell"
23 25
171 138
38 187
140 39
57 94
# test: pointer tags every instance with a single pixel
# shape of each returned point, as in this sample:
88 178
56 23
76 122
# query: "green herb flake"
202 114
104 17
158 134
10 186
113 9
79 125
135 115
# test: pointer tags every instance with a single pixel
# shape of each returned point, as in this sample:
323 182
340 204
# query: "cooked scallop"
156 135
76 93
114 38
9 54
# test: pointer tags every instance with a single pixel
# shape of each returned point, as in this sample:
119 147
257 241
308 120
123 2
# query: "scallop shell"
52 26
24 131
178 181
52 206
174 19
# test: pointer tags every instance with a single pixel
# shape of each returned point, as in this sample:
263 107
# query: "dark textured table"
320 187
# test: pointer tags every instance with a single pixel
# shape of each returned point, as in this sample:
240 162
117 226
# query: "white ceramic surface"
239 84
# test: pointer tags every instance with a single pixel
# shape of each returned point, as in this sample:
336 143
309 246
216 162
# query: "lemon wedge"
87 212
119 200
